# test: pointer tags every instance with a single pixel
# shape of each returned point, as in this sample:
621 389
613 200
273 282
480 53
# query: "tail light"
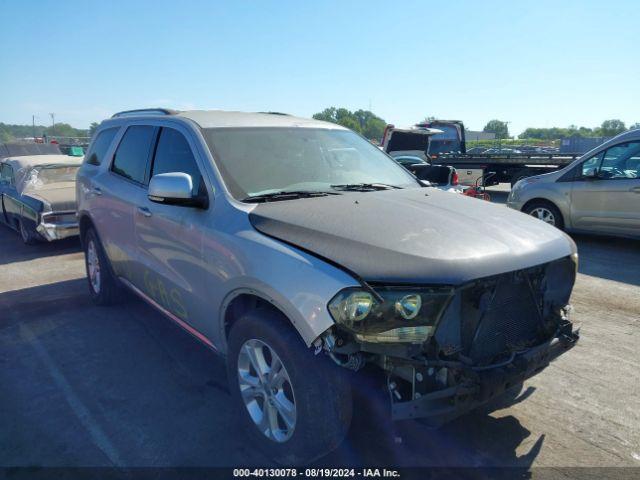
454 179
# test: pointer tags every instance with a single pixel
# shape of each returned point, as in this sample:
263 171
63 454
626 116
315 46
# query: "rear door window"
174 154
132 155
100 146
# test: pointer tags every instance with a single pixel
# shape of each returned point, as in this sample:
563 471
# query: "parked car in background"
476 150
302 253
37 196
408 142
598 193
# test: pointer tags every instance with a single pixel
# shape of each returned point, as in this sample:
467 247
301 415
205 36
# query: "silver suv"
302 253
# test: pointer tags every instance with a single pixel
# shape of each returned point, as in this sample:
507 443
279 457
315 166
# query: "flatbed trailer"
505 168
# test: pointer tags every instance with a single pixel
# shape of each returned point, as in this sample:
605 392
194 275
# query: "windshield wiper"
286 195
364 187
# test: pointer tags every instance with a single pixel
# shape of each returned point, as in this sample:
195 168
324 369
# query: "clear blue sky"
537 63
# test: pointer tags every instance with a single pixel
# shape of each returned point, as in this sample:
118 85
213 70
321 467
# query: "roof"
35 160
222 119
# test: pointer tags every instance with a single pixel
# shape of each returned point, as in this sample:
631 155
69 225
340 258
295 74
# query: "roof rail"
276 113
145 111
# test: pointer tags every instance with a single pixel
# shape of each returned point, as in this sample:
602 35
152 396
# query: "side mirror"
591 174
175 188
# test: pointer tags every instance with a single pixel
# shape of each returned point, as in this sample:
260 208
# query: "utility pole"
33 125
53 124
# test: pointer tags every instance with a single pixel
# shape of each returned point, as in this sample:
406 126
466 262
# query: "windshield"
49 174
255 161
447 141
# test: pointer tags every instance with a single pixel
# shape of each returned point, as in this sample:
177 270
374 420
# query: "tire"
28 237
318 389
542 209
104 287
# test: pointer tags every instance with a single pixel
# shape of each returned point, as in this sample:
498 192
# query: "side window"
173 154
100 146
621 161
6 174
130 159
590 166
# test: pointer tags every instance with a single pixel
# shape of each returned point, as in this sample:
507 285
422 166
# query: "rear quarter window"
100 146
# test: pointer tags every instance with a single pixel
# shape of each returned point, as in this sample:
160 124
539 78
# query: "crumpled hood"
60 196
413 236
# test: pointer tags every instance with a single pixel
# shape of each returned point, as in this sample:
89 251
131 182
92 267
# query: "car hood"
413 236
547 177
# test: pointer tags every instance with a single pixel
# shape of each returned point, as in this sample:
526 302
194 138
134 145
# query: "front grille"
493 317
510 319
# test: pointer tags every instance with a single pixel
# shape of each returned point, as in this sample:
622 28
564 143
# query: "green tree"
556 133
5 136
65 130
634 126
92 128
361 121
498 127
611 128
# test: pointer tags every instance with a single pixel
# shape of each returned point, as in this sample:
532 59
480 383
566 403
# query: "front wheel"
547 212
294 405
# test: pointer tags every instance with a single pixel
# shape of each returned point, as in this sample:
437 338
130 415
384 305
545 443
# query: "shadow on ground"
611 258
14 250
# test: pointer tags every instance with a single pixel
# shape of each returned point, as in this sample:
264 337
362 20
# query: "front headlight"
404 314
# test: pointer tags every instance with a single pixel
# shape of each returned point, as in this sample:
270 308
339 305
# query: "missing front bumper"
480 385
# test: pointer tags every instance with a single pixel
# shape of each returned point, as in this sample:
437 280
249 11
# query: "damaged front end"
447 350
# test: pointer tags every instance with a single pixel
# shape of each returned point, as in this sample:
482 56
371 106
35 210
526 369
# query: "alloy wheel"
265 388
544 214
93 266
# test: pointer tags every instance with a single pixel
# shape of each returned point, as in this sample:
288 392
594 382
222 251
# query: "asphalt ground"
82 385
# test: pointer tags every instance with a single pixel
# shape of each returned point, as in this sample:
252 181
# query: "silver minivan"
598 193
308 258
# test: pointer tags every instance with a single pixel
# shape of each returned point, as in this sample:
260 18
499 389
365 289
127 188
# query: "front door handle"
635 189
96 191
144 211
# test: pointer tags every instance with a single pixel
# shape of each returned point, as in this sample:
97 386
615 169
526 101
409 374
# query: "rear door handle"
144 211
635 189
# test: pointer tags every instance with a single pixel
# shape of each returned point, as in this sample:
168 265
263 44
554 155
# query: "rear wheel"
103 285
294 405
28 237
547 212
